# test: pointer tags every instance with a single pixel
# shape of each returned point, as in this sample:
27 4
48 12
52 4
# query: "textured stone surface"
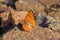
30 5
2 0
46 14
37 34
49 3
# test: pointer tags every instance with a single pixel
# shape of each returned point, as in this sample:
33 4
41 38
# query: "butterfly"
28 22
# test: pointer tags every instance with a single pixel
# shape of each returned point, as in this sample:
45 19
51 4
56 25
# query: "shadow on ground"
8 25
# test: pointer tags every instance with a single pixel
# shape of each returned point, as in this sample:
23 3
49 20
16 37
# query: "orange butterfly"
28 22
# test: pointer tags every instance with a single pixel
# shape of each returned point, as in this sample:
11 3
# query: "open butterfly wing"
24 26
30 19
28 22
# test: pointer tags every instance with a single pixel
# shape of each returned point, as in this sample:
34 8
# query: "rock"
54 19
5 16
41 20
3 6
10 3
46 14
8 10
33 5
49 3
54 15
55 26
37 34
2 0
19 15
